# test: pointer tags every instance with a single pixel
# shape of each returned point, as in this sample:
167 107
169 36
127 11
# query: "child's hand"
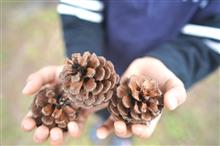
49 75
172 87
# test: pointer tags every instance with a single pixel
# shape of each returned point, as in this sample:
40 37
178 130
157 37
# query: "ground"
32 38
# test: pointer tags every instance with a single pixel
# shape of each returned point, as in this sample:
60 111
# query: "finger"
41 134
32 86
36 80
121 129
145 131
56 136
105 129
73 129
175 93
28 123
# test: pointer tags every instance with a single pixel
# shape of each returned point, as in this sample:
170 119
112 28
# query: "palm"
152 68
171 86
50 75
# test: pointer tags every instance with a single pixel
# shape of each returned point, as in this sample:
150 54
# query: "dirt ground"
32 38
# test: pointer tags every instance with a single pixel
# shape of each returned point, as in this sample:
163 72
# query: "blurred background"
32 38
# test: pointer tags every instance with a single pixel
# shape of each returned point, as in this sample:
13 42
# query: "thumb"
175 93
106 129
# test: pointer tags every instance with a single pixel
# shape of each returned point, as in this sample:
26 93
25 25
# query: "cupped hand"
171 86
50 75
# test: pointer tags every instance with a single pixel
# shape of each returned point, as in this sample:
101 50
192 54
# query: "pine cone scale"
47 110
56 111
138 100
47 120
93 76
126 101
98 89
87 81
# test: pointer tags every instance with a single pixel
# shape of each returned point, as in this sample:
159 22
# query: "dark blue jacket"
131 29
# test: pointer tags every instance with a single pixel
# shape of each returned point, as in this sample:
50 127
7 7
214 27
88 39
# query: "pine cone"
89 79
52 107
138 100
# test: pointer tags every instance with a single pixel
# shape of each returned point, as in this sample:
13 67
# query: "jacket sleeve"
193 58
189 58
82 26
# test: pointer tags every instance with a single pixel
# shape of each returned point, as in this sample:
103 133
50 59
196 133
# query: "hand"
50 75
171 86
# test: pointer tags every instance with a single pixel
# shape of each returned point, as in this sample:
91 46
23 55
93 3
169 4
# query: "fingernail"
172 102
27 125
73 129
72 126
138 129
120 127
26 88
55 136
39 136
101 133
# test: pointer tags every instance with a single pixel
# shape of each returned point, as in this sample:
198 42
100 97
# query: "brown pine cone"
138 100
52 108
89 79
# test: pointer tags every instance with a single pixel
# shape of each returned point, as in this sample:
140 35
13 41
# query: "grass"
32 38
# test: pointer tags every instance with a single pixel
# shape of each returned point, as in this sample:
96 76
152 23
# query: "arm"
82 26
184 60
80 34
196 57
168 69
